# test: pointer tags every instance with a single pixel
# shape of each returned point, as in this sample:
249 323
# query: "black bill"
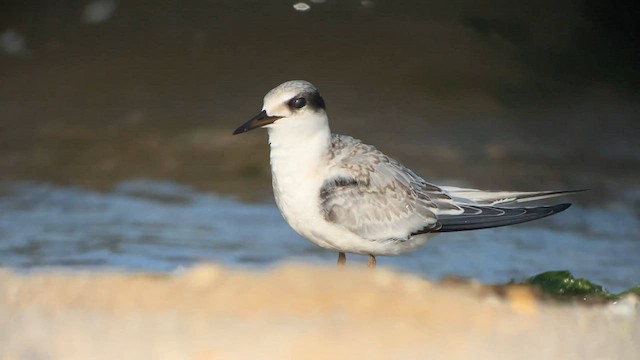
257 121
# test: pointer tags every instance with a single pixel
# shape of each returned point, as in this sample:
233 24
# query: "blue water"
163 227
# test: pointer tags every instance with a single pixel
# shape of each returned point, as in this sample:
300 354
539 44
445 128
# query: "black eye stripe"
316 101
313 100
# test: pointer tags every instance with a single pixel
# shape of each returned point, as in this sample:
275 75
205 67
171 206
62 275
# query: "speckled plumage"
347 196
375 196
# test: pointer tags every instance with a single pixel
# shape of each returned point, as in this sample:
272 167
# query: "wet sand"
298 312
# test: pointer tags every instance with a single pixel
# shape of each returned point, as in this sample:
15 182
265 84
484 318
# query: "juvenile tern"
347 196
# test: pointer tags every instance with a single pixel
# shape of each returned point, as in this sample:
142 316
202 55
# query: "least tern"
347 196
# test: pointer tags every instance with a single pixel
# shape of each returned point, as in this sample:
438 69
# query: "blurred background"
116 120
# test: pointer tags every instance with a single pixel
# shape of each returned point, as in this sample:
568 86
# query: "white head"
292 107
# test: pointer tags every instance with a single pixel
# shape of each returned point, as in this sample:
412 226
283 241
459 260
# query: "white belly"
299 205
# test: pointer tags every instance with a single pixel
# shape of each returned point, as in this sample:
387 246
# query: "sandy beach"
295 311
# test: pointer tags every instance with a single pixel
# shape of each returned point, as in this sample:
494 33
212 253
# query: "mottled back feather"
375 196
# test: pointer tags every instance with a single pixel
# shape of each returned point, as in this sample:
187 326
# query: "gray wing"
483 217
376 197
481 210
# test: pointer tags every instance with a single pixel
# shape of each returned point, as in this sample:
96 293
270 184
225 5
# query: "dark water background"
501 95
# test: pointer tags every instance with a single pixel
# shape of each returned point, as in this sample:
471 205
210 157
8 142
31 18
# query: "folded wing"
482 217
376 197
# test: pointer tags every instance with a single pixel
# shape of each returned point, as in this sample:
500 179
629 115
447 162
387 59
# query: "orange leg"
372 262
342 259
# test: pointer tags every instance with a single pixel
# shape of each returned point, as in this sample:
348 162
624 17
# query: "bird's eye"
299 103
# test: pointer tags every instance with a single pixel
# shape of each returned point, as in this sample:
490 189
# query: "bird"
346 196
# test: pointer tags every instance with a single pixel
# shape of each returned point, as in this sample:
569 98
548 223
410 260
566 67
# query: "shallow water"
163 227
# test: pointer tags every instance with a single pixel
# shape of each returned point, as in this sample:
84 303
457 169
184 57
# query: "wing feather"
492 198
376 197
483 217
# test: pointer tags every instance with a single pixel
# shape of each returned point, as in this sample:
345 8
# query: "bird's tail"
482 217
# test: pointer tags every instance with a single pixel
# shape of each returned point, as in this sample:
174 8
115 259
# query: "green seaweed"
563 285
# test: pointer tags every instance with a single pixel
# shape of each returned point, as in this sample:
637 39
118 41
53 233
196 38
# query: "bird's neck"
298 152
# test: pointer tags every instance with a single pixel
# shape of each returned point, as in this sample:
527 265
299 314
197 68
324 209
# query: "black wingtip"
478 217
562 207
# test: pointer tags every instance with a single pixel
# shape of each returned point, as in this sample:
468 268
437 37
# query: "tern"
346 196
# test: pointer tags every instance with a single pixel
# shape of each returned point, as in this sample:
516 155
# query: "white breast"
298 166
